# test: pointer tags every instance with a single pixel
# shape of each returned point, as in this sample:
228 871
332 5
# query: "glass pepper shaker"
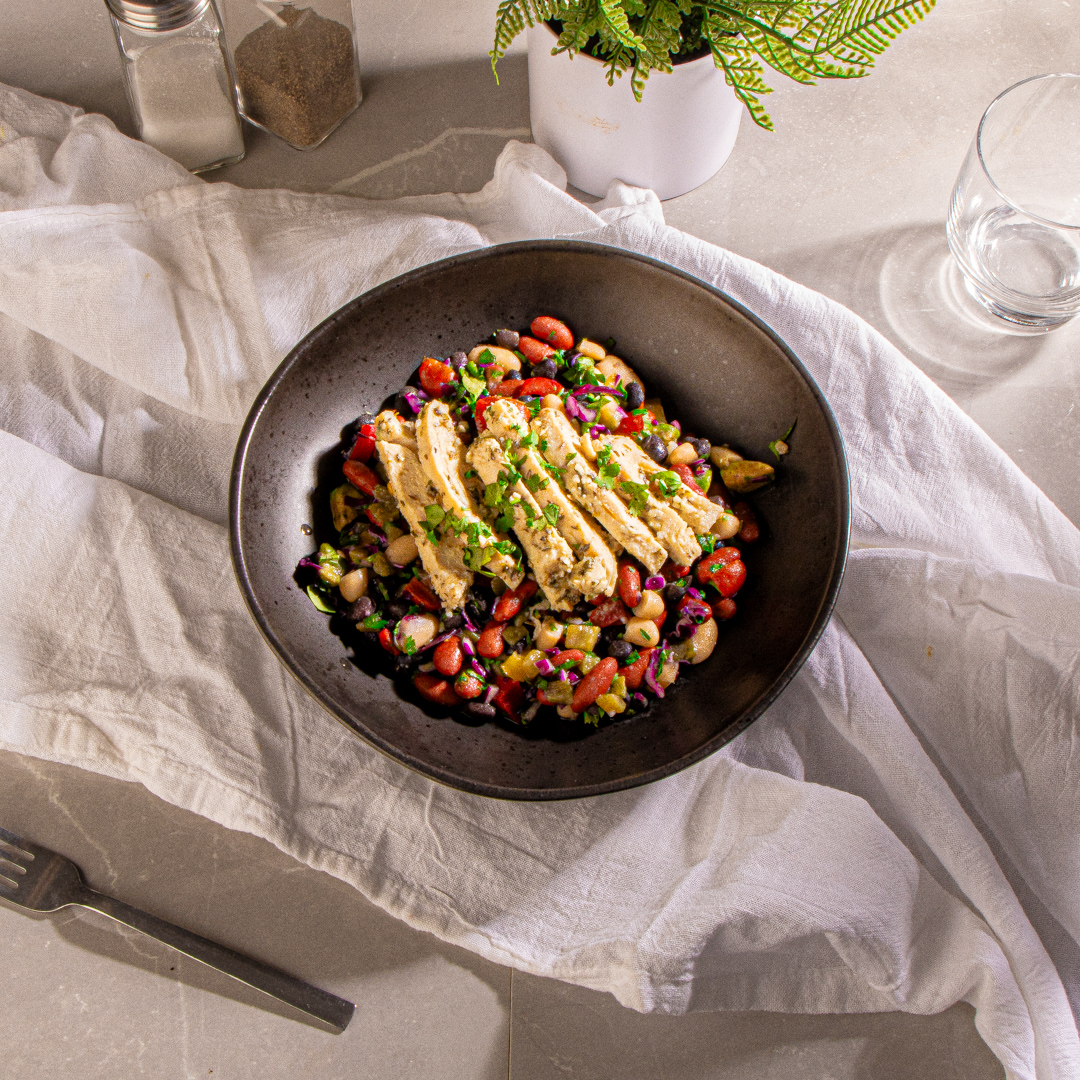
178 80
295 65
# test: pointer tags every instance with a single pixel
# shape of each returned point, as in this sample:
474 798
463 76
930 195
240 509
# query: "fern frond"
512 17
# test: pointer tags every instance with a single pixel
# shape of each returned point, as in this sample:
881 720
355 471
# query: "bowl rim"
447 776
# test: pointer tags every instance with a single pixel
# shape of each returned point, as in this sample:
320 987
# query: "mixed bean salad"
524 528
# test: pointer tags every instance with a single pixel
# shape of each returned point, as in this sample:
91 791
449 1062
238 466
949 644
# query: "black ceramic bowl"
718 369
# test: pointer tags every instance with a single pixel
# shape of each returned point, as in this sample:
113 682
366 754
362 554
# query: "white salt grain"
184 103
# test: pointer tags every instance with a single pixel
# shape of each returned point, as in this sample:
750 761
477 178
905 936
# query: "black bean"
507 339
674 592
655 448
364 418
620 650
396 610
453 621
583 609
544 370
719 500
477 614
401 405
402 664
635 396
479 709
701 446
458 360
360 609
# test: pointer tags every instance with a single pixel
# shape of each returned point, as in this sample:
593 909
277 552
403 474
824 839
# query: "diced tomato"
435 377
364 445
630 425
448 656
553 331
508 388
686 475
672 571
629 583
539 387
609 612
597 682
724 609
386 640
360 476
468 685
511 601
568 655
718 558
635 672
490 643
534 351
750 530
509 697
435 688
420 592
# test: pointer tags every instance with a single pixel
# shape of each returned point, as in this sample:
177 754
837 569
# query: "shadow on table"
906 283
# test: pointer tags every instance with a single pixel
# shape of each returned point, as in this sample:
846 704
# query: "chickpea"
683 454
668 673
726 526
504 359
549 634
551 401
420 628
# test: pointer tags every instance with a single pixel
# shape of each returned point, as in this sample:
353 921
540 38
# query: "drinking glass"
1014 220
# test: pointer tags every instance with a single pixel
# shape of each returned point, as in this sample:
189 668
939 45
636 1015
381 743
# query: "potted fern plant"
710 56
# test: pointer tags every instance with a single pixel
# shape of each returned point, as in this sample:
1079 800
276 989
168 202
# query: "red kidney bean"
750 530
672 571
553 331
435 376
724 609
448 656
576 655
360 476
468 686
511 601
729 578
686 475
609 612
534 351
435 688
539 387
629 584
491 644
635 672
597 682
420 592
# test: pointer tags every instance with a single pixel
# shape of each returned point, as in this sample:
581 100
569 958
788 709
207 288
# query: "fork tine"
19 845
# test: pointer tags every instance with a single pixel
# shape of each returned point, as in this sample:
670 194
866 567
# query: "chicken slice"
658 514
549 555
413 491
580 481
595 571
690 505
442 456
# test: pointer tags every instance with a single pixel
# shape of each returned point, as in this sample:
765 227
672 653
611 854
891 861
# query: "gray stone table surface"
849 197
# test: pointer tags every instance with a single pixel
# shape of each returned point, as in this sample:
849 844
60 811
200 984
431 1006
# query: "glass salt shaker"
178 80
295 65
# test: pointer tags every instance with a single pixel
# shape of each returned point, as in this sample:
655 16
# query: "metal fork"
41 880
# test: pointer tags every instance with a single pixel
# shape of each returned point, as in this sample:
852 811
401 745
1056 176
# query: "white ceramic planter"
672 141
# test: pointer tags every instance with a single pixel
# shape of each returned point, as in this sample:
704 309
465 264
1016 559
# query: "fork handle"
332 1010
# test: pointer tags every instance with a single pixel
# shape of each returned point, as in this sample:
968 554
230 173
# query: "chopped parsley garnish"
474 386
486 357
605 478
543 446
373 622
570 457
555 470
493 494
708 543
535 483
551 512
639 496
409 648
603 455
528 440
668 483
633 658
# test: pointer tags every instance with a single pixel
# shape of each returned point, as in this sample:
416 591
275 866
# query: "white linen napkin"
888 836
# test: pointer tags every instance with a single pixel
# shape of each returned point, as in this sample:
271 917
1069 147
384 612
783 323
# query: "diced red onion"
652 669
695 593
415 398
467 647
592 388
655 583
468 622
478 669
490 695
597 430
435 640
311 564
640 697
696 611
564 675
577 411
572 677
545 666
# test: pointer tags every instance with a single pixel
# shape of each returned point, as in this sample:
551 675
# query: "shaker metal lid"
157 14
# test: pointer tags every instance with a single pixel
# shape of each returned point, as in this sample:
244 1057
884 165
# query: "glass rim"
982 161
